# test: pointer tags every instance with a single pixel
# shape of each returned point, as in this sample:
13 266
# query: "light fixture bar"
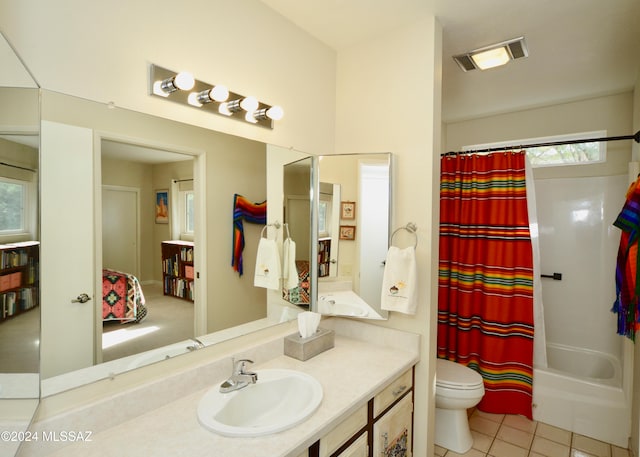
197 94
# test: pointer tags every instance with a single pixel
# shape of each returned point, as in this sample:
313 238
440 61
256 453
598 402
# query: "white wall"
389 101
611 113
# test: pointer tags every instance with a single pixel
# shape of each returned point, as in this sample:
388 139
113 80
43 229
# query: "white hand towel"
399 287
290 272
267 272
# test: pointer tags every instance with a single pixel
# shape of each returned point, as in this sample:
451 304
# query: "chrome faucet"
197 344
239 378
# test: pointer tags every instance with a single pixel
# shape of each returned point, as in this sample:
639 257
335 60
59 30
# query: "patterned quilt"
122 297
299 295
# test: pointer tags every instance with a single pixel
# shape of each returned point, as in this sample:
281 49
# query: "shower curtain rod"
635 137
17 166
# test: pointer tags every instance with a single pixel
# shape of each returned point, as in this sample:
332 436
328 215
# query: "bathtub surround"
586 385
485 295
581 391
164 406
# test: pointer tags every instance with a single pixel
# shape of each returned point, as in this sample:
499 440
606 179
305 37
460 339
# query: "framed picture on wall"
162 206
347 232
347 210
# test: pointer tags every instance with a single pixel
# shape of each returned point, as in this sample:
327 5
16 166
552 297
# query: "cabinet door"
358 448
392 435
343 432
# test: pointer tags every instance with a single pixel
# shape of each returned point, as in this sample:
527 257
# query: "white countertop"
351 373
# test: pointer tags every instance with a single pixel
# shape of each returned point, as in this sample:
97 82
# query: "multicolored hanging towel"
244 210
627 300
485 278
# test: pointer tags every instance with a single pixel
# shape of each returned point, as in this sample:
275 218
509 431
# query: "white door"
67 249
373 228
120 229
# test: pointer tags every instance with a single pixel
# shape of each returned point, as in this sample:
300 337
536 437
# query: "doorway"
144 317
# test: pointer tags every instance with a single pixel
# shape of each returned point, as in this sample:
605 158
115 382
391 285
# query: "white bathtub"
581 391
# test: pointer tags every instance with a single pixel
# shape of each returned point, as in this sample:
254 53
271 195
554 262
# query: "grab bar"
555 276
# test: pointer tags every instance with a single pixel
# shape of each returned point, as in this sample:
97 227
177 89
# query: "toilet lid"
456 376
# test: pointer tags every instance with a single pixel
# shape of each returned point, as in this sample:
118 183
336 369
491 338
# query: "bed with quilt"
122 297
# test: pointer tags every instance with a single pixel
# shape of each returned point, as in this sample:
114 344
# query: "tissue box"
304 348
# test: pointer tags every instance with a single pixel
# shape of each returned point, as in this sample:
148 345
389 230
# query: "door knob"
82 298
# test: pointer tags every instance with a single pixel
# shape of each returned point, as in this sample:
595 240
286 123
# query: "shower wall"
577 239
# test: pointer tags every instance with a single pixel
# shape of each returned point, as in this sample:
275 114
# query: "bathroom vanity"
367 404
382 427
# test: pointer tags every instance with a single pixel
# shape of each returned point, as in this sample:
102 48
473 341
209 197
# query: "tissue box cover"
304 348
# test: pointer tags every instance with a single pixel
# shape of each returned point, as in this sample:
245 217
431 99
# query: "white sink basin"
279 400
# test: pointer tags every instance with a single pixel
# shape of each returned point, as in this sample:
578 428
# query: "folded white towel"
399 283
289 270
267 272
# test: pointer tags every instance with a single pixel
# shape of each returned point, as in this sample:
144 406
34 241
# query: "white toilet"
457 389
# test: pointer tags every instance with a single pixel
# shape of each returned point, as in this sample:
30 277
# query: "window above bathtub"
559 155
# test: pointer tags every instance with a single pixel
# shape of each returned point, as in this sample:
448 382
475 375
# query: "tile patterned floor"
499 435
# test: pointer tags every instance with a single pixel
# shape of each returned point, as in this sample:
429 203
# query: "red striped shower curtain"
485 295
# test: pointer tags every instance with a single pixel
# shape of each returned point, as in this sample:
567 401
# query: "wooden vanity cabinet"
381 428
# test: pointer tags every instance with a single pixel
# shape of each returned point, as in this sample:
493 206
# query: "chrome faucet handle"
239 366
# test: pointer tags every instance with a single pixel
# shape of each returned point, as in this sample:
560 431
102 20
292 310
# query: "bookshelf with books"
18 278
177 269
324 257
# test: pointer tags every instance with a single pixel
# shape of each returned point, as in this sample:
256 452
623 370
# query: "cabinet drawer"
345 430
394 391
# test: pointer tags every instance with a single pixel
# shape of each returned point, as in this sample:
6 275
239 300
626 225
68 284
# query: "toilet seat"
452 375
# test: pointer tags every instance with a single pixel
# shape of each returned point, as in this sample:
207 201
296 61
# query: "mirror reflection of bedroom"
147 200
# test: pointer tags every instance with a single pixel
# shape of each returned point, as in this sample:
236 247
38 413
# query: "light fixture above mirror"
183 88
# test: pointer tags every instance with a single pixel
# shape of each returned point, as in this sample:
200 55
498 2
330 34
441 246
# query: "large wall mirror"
156 265
297 216
352 233
19 235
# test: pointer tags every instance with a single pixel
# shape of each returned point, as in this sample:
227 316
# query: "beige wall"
94 51
232 299
611 113
404 65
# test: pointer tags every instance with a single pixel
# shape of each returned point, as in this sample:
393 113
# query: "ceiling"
577 48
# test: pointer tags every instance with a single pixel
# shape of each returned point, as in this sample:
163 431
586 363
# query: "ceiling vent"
493 55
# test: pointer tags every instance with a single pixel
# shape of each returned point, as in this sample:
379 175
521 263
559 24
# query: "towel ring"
411 228
276 224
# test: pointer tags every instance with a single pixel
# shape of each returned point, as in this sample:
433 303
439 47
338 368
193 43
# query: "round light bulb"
275 112
219 93
224 109
184 81
250 117
192 99
249 104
